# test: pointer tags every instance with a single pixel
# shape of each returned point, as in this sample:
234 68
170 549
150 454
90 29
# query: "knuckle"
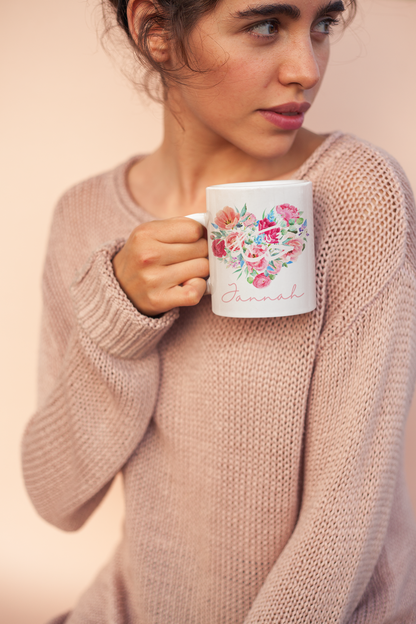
154 301
192 296
141 233
146 248
150 283
146 256
137 234
201 267
194 230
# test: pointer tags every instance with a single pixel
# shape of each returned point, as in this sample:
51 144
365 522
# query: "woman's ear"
137 11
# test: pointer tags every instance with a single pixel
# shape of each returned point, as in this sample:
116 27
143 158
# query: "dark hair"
176 18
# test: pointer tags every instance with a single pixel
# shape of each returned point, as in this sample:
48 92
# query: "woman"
262 458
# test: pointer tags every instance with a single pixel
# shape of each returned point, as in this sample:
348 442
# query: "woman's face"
262 63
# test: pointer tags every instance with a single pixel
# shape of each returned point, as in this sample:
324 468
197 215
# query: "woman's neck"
172 181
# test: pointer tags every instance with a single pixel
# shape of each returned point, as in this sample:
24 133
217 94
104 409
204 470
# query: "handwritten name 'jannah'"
232 295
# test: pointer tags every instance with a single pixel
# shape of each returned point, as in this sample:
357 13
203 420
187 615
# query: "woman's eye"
325 26
264 29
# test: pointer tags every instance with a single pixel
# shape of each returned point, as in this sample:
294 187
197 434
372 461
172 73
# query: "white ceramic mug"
261 248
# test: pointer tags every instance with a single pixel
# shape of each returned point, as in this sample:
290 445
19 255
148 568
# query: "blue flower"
303 226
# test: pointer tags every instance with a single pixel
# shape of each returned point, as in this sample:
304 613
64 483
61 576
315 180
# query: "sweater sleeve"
359 399
99 377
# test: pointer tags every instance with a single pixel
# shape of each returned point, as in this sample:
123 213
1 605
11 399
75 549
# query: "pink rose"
249 219
293 255
261 281
272 236
218 248
227 218
287 212
233 241
256 257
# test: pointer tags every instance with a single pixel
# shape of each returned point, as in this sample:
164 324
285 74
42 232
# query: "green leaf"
299 221
240 275
292 221
250 279
303 246
272 276
244 210
293 230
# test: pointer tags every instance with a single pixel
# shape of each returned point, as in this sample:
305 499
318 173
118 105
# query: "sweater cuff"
107 316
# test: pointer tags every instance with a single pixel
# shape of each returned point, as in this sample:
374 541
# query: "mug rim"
260 184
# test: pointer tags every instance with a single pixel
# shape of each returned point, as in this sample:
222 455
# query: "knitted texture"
262 458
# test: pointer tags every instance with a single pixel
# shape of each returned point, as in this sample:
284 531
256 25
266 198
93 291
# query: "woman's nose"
300 65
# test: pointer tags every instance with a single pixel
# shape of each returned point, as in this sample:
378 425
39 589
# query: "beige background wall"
67 114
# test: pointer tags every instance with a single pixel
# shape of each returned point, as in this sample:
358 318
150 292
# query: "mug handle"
203 219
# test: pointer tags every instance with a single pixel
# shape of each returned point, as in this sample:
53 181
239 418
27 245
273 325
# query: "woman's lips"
285 121
288 116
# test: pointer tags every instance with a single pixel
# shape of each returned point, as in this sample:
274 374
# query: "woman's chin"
270 148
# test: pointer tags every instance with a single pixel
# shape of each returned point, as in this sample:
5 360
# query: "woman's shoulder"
88 215
97 195
365 225
359 166
361 189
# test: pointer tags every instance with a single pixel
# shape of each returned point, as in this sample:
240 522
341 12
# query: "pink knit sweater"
262 458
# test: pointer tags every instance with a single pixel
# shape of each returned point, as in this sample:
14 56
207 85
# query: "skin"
214 134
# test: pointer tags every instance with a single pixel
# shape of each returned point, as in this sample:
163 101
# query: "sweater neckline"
127 202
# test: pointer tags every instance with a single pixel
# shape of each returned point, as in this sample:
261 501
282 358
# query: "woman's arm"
359 399
351 542
99 376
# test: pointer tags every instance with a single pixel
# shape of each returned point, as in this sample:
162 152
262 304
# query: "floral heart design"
259 248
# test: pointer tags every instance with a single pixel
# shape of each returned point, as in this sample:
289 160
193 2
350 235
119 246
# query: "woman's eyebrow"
266 10
331 7
288 10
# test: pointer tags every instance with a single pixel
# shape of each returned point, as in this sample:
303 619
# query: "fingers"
179 274
164 254
151 270
156 280
189 294
169 241
174 230
182 252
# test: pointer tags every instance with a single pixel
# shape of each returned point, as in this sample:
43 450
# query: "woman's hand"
163 265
